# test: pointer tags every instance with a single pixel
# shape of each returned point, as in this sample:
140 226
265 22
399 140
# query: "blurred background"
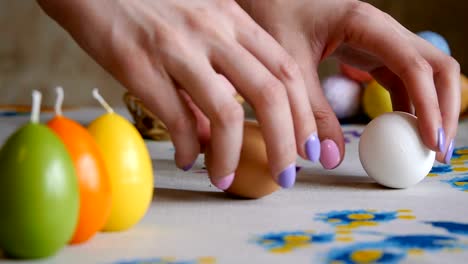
35 53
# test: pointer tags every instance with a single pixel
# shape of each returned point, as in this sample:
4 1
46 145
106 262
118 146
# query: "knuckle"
255 33
228 6
232 10
289 69
197 20
160 35
126 64
355 16
271 93
207 25
174 49
416 65
180 125
363 8
323 115
421 65
452 64
229 114
388 17
357 10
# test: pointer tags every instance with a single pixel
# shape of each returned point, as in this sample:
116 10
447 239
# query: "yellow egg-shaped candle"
376 100
129 166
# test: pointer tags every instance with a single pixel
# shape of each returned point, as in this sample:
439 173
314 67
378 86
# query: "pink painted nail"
223 183
330 156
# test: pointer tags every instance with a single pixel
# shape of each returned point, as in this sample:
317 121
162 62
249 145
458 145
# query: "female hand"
179 55
414 72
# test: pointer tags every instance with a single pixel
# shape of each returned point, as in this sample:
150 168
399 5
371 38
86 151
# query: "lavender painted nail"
287 177
312 147
188 167
441 139
223 183
448 155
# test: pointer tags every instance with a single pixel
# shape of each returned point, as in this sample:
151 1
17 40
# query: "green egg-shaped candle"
39 197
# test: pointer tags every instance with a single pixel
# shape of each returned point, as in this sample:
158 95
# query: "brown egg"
252 177
464 94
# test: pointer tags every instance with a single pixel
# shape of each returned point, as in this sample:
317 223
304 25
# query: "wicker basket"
148 124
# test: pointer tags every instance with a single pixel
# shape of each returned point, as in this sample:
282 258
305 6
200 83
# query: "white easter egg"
392 152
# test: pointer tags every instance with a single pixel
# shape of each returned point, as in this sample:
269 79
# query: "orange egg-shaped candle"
93 178
129 164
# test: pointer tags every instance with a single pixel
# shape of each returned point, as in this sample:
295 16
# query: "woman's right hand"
160 50
414 72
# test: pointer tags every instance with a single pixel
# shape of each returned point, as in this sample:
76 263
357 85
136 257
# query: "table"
339 216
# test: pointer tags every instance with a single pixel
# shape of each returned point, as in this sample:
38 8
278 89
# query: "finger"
158 93
368 28
269 99
226 115
447 81
203 123
398 94
330 133
285 69
328 126
448 85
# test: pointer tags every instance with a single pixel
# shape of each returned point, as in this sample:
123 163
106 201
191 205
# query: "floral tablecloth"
338 216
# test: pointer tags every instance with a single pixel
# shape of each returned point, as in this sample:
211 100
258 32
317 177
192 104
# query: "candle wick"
101 100
36 106
59 102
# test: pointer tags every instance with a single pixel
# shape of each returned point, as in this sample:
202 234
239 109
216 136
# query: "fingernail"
223 183
287 177
448 155
312 147
441 139
330 157
188 167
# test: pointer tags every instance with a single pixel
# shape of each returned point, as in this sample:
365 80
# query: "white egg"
392 152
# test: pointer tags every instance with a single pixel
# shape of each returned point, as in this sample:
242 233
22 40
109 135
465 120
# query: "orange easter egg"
253 178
